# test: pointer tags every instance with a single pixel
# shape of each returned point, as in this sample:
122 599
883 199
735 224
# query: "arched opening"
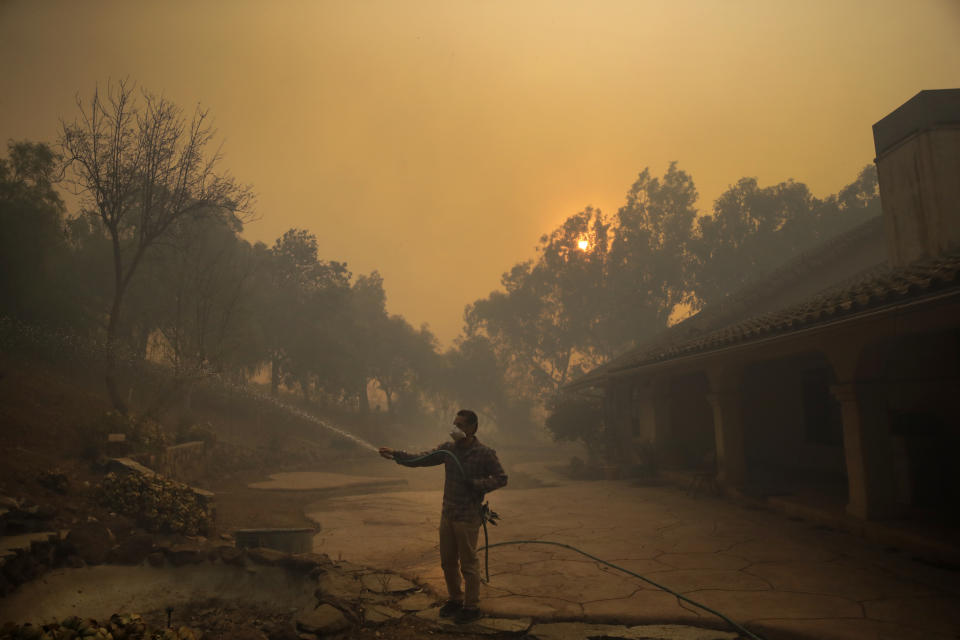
793 430
911 385
690 441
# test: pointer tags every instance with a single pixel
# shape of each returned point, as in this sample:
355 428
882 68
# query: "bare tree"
141 166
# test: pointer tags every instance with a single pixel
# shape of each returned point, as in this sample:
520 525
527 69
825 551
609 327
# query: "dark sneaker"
450 609
467 615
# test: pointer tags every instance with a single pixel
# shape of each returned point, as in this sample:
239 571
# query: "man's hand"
386 452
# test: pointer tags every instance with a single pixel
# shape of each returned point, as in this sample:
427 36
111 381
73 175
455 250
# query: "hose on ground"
635 575
487 546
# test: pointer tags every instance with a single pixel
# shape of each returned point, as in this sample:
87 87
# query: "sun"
583 244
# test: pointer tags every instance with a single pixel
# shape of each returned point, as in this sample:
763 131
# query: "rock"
287 631
231 555
91 541
305 561
184 554
132 549
338 585
262 555
325 619
378 614
416 602
386 583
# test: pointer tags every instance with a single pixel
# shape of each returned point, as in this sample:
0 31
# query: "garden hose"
635 575
492 516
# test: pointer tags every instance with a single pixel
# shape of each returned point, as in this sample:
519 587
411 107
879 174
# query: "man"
460 518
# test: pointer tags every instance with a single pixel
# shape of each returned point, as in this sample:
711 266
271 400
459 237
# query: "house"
837 375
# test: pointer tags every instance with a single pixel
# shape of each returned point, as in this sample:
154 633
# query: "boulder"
338 585
231 555
91 541
324 620
261 555
416 602
184 554
378 614
305 562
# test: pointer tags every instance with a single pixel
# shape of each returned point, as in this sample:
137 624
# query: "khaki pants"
458 554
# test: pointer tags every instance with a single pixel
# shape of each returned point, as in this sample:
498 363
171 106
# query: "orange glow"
583 244
404 127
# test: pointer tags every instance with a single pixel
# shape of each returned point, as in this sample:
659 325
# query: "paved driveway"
783 578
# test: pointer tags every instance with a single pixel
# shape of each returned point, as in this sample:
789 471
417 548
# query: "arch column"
871 479
855 450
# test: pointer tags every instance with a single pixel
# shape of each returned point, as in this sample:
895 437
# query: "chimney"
918 165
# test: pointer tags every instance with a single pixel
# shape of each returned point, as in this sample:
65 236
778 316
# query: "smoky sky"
436 141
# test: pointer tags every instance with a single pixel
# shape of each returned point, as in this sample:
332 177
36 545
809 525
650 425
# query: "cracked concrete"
776 576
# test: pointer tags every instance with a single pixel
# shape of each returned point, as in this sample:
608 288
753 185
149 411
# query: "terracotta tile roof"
878 288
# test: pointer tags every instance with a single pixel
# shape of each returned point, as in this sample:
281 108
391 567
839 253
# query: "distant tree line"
154 265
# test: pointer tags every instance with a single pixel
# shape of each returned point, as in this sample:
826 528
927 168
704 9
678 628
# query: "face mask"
457 435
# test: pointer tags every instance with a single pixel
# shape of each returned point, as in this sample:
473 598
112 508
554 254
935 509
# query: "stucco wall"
920 190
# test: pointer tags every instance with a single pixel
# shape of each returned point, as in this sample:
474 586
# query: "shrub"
157 504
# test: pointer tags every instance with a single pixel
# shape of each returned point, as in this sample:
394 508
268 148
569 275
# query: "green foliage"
544 325
574 418
752 230
650 259
157 504
36 283
142 433
188 431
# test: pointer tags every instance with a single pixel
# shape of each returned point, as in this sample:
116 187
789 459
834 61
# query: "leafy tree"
574 418
141 166
200 289
752 230
403 357
34 285
473 375
367 311
544 323
650 260
300 309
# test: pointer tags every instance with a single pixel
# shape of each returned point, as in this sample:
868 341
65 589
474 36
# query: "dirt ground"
42 409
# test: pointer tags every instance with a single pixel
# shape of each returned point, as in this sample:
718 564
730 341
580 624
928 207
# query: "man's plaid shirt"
462 499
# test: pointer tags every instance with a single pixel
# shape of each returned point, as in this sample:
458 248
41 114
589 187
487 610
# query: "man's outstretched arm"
402 457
